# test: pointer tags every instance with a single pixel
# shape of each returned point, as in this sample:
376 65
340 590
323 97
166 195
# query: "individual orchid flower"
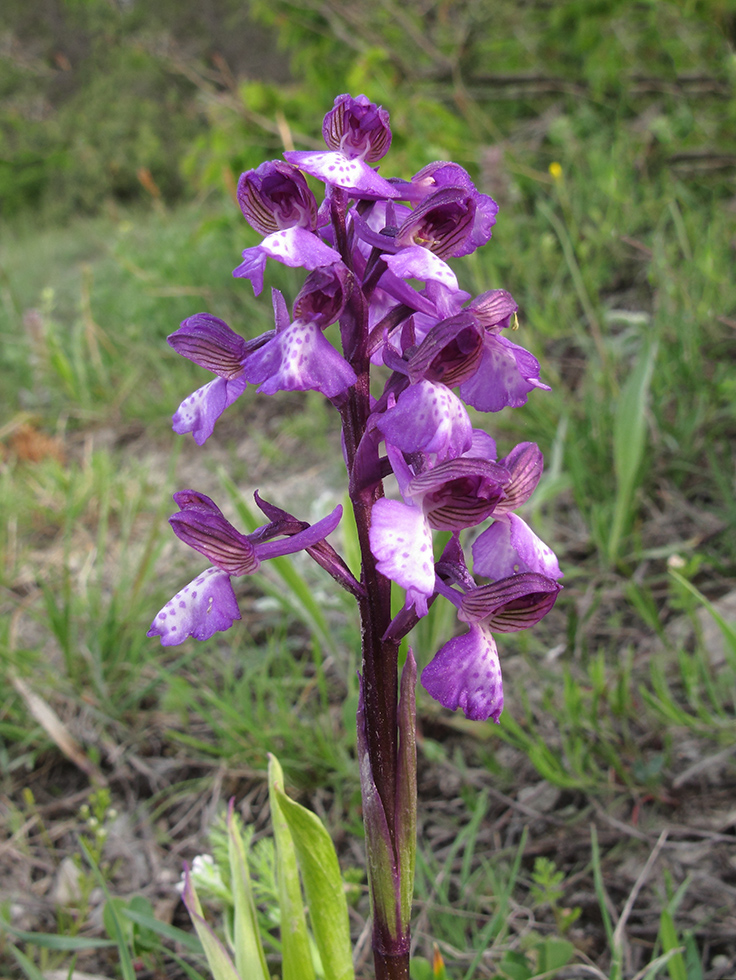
298 357
465 673
357 133
207 604
211 344
277 202
506 373
450 496
443 174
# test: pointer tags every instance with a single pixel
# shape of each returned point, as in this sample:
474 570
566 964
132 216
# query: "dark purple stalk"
379 657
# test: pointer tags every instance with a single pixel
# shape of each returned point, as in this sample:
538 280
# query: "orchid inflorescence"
376 254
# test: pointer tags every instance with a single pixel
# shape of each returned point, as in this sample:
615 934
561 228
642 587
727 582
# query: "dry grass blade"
55 728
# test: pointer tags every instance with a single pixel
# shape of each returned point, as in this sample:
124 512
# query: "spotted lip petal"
430 418
351 174
299 358
402 542
204 607
199 411
466 673
505 376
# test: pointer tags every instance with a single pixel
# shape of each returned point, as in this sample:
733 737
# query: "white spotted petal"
428 417
401 540
415 262
299 358
466 673
202 608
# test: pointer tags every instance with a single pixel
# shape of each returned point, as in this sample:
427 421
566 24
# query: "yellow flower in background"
556 170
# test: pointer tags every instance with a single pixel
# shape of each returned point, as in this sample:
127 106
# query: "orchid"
208 603
377 250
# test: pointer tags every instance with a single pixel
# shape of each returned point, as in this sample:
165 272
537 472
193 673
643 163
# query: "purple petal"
415 262
215 538
310 536
252 266
525 463
336 168
509 546
428 417
466 673
511 604
201 609
299 358
494 308
357 127
484 446
299 249
211 343
199 412
401 540
194 500
276 195
505 376
280 310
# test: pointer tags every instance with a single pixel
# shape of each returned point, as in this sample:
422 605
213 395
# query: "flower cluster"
376 253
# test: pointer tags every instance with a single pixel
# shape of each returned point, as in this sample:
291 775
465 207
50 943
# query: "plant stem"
380 670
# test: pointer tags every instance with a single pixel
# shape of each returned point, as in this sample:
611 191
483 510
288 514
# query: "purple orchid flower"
357 133
452 495
207 604
298 357
211 344
277 202
443 174
466 673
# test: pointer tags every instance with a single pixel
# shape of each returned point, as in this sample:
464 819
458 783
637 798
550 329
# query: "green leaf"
218 959
671 944
27 965
553 954
727 630
297 960
47 940
328 909
163 929
693 962
249 957
629 440
516 966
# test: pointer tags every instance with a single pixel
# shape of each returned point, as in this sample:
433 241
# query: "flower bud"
357 128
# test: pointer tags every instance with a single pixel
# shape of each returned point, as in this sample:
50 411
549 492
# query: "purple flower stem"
379 656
